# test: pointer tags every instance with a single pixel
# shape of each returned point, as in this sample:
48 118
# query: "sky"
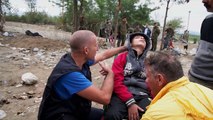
192 19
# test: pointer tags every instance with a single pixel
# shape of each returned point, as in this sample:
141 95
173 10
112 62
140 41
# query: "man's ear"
161 80
86 50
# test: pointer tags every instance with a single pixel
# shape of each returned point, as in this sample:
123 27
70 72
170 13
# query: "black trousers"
117 110
95 114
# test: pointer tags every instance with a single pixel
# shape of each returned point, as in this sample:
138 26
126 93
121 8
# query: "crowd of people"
124 30
137 86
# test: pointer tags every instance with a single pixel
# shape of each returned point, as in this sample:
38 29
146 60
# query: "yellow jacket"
181 100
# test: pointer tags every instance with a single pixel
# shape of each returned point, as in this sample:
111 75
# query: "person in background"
108 30
69 89
82 23
131 95
154 37
137 29
169 33
147 31
202 66
122 31
175 97
185 39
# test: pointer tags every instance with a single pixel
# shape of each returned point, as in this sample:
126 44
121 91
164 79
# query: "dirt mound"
30 42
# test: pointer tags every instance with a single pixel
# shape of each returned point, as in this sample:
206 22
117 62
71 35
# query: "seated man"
130 96
175 97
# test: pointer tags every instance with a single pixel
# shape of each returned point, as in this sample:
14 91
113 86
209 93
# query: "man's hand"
133 112
105 68
127 43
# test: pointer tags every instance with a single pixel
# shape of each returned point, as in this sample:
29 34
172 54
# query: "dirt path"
21 54
47 31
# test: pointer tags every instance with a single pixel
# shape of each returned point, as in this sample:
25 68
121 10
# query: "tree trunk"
75 15
81 21
164 24
62 14
116 21
81 8
1 17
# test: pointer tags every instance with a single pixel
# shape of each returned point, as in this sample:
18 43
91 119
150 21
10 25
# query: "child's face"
139 41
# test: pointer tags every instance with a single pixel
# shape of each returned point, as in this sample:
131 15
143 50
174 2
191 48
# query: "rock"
30 93
192 52
6 34
2 114
40 56
4 101
26 58
35 49
23 97
1 45
29 78
37 100
20 113
19 85
13 48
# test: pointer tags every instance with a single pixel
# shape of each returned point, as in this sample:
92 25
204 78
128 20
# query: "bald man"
69 90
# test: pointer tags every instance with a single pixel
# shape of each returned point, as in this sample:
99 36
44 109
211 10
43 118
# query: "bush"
33 18
194 38
12 17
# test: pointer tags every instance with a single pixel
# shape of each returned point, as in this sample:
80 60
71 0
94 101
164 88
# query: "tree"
176 23
118 7
166 13
75 15
32 5
3 4
95 12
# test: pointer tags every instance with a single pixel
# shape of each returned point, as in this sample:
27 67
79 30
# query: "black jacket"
52 107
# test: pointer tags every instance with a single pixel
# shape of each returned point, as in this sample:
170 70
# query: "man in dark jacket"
202 65
69 90
131 95
122 31
154 38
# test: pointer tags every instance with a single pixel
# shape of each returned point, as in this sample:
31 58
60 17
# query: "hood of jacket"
147 39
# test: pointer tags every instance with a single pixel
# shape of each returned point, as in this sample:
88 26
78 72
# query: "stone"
2 114
29 78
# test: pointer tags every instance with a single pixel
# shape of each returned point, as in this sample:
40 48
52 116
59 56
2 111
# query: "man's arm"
109 53
102 95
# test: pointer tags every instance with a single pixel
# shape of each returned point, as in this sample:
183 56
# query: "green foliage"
33 18
194 38
95 13
177 1
175 23
141 15
13 17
